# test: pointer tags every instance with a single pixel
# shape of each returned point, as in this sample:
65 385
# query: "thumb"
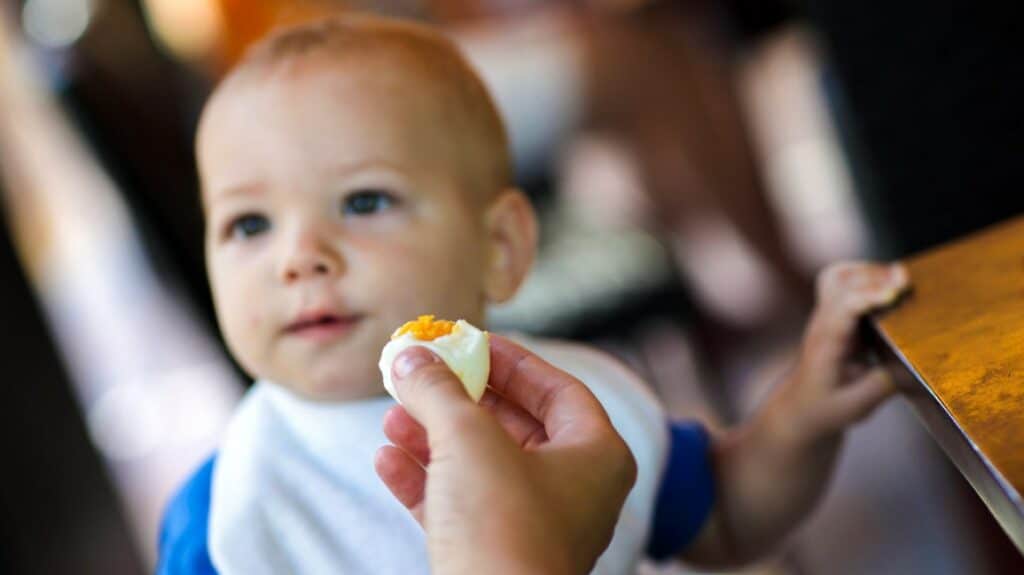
430 392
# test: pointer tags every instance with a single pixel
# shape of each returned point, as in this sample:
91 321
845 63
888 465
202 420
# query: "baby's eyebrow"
344 169
234 191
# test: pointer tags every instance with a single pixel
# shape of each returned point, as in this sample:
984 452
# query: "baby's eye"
247 226
367 202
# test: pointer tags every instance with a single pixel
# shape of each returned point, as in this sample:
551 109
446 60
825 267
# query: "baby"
356 175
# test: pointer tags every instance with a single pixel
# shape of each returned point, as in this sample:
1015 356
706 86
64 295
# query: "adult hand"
532 480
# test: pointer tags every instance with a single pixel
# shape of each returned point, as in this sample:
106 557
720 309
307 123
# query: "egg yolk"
426 328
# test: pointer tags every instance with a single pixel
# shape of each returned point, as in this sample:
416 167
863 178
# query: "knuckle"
830 278
851 304
629 472
844 301
459 432
625 462
464 421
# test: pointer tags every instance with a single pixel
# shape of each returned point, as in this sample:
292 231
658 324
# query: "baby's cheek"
253 321
385 263
401 276
252 309
242 305
247 340
431 272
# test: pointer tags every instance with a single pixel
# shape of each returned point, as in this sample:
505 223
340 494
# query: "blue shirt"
182 546
685 499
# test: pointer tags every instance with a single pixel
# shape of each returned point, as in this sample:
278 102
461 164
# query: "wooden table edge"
1002 499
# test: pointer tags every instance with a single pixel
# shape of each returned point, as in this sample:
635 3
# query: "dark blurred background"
694 164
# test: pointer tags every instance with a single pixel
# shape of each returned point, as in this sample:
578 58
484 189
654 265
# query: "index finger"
556 399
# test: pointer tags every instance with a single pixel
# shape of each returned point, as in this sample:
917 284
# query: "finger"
522 427
407 434
845 276
433 395
405 478
856 400
845 293
853 370
553 397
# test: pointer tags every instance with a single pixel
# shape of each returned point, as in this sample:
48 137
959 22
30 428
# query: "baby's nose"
309 260
311 268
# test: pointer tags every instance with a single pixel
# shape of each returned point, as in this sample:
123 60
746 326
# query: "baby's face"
335 212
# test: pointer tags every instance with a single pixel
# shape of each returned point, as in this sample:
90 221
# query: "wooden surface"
960 334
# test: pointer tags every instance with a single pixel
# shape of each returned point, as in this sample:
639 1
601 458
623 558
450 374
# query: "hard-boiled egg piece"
461 346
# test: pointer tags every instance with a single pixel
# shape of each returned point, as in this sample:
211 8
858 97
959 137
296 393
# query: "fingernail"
898 273
412 359
890 296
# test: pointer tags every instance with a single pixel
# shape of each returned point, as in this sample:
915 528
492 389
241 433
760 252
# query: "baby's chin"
334 389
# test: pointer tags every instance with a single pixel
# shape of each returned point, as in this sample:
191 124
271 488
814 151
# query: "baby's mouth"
321 325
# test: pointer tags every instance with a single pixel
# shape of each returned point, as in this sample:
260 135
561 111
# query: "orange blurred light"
248 21
190 29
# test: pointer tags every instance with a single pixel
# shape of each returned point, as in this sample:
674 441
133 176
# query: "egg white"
464 351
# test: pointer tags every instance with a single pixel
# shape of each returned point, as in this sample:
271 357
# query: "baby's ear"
512 234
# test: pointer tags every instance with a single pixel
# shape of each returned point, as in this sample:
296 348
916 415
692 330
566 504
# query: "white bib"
294 489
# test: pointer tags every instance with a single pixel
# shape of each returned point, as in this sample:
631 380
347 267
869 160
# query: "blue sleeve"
687 491
182 547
